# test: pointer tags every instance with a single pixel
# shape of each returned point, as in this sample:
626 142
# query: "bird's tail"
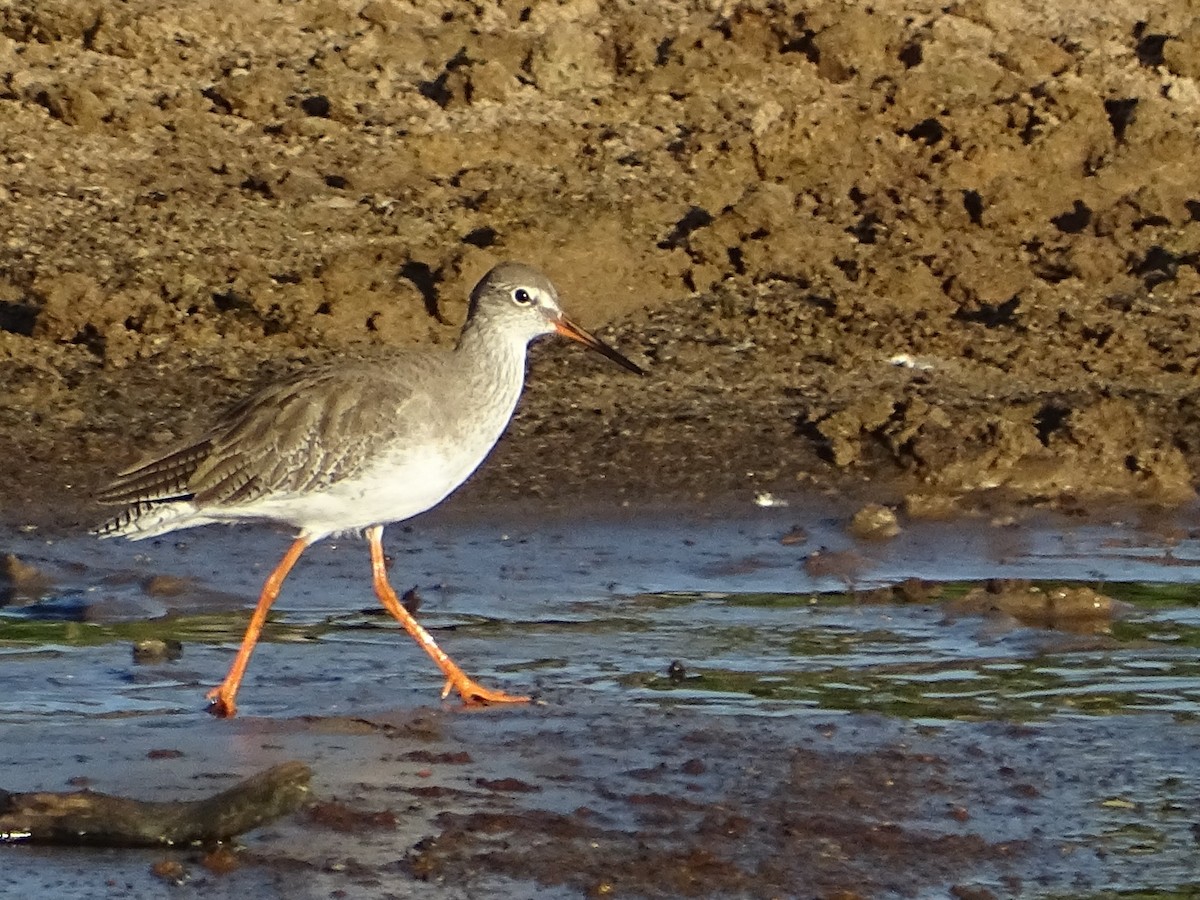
150 519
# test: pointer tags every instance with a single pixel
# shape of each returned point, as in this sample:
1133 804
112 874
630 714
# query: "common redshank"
348 447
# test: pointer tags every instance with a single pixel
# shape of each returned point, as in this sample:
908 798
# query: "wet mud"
715 715
952 250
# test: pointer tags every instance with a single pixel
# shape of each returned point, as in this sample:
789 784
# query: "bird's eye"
522 297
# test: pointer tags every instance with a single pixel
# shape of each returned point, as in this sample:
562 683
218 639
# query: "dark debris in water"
102 820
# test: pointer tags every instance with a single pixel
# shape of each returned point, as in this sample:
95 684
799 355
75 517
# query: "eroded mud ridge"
955 243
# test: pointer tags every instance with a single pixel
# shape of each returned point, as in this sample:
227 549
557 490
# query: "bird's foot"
475 694
220 703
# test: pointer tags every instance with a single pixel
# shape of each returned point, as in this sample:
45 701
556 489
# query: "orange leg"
221 697
456 679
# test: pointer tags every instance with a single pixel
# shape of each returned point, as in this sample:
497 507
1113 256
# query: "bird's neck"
492 357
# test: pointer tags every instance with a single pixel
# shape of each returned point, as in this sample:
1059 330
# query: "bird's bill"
567 328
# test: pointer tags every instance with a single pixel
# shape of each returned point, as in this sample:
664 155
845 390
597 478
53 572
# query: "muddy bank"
951 250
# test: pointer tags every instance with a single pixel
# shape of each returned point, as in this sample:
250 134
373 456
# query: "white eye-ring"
522 297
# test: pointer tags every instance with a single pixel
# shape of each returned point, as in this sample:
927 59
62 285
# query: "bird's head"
521 300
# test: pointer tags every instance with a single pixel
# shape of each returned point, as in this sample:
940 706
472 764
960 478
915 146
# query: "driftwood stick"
84 817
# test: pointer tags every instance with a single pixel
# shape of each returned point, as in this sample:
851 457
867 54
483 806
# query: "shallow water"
589 616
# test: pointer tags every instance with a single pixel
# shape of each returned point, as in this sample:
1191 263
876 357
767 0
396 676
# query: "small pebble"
874 522
411 600
153 650
169 870
796 536
20 580
165 586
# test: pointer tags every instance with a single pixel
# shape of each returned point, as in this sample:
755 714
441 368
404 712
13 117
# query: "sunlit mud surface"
748 705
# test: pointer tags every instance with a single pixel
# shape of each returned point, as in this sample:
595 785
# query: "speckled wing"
161 479
301 434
